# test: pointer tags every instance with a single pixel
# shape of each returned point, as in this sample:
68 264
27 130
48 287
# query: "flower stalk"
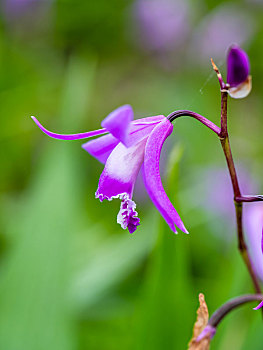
224 139
230 305
210 329
222 133
181 113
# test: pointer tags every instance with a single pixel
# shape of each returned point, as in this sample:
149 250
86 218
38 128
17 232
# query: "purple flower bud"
238 67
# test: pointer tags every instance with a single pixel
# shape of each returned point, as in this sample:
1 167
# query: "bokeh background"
70 277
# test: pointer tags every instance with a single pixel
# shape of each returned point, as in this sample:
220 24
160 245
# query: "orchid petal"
79 136
260 305
120 172
118 123
148 120
102 147
238 66
152 176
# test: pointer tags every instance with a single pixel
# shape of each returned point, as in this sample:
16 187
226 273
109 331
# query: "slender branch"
224 138
220 313
200 118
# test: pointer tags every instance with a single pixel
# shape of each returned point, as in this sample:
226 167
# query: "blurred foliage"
70 277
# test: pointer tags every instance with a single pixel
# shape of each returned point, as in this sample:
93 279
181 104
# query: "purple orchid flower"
238 69
127 146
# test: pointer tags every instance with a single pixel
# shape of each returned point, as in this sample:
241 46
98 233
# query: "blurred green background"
70 277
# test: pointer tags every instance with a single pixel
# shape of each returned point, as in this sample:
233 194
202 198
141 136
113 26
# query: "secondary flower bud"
238 69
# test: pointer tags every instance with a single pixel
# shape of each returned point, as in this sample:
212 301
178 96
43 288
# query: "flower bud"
238 69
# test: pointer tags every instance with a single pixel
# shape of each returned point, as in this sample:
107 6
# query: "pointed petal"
260 305
118 123
238 66
120 172
82 135
152 176
102 147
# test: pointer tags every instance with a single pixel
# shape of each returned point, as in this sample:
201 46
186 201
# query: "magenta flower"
127 146
238 69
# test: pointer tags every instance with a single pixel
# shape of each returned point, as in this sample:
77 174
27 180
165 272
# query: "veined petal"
152 176
118 123
148 120
102 147
83 135
121 170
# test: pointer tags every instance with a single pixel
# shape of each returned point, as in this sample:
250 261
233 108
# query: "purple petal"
148 120
128 216
102 147
238 66
118 123
152 176
121 170
82 135
260 305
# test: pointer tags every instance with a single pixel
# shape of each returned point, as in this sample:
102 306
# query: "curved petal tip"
68 137
259 306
